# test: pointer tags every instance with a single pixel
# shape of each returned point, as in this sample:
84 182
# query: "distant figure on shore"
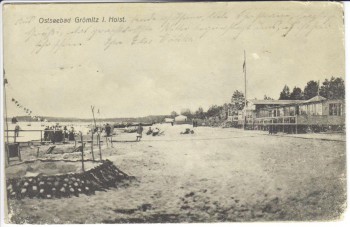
139 132
108 129
46 133
17 128
272 130
71 134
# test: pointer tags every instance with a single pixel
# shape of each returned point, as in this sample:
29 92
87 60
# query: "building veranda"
291 116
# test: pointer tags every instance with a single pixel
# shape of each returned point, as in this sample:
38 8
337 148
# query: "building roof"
274 102
180 117
317 98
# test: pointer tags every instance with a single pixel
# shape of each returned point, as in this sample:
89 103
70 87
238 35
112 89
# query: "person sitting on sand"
149 132
139 132
155 132
187 131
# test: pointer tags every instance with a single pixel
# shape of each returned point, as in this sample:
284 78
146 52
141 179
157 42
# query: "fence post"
7 154
82 151
99 145
112 140
41 137
92 145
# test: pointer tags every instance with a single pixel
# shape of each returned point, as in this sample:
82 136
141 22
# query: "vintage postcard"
182 112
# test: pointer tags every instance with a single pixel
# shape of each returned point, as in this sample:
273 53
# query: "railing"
296 120
281 120
12 134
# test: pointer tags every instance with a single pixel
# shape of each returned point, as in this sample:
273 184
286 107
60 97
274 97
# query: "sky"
164 57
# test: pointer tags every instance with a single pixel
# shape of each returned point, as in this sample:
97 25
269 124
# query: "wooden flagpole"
82 151
245 90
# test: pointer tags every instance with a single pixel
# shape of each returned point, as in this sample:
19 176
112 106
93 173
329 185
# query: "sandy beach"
213 175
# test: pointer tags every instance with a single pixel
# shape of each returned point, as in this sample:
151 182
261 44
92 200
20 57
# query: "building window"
303 110
286 111
292 111
318 109
270 113
335 109
281 111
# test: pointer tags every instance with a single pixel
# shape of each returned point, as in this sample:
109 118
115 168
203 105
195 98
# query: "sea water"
25 136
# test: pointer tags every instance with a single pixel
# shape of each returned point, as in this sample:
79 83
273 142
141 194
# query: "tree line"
215 111
333 88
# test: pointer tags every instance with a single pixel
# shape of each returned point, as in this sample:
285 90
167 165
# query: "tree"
238 100
333 88
285 94
311 89
214 111
173 114
200 113
267 97
297 94
224 111
186 112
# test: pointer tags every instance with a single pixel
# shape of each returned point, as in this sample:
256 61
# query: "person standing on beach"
46 133
108 130
71 134
139 132
17 128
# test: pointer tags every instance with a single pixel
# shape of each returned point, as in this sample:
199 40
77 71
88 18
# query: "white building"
180 118
168 120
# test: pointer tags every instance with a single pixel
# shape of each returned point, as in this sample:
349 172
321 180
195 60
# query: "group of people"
195 124
153 132
187 131
58 133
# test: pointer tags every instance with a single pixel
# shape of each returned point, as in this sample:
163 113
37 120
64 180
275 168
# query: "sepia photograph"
173 112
